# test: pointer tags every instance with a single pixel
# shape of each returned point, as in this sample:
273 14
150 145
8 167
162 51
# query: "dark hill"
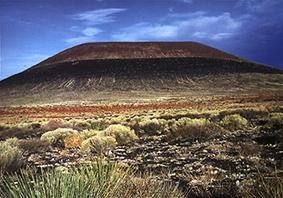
136 50
104 70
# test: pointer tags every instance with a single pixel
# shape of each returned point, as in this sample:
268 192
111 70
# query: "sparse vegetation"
52 125
99 145
85 134
276 119
265 187
193 129
57 136
10 155
33 145
151 126
122 134
98 180
234 122
73 141
148 186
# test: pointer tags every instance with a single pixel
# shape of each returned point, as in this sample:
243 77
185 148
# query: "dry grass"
148 186
33 145
10 155
98 145
123 134
73 141
194 131
265 187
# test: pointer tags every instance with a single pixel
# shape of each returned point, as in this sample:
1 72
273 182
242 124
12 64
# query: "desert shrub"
117 120
33 145
10 155
193 129
35 125
276 119
57 136
73 141
151 126
85 134
4 127
234 122
18 133
249 148
122 134
254 113
55 124
80 124
99 145
189 121
98 124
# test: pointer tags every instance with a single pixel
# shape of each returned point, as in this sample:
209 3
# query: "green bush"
57 136
10 155
80 124
85 134
234 122
122 134
192 129
150 125
97 124
99 145
276 119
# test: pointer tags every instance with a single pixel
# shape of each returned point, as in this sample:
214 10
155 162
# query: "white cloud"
79 40
186 1
91 31
259 6
144 31
99 16
196 25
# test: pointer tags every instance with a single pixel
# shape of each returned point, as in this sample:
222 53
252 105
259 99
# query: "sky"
33 30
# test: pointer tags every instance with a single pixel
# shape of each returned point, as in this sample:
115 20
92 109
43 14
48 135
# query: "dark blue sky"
32 30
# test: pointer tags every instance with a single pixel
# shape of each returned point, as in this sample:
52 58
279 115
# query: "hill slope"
102 71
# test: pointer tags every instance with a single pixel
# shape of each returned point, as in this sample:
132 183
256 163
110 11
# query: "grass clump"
33 145
99 145
80 124
265 187
55 124
148 186
97 124
57 136
10 155
151 126
276 119
234 122
122 134
85 134
98 180
192 129
73 141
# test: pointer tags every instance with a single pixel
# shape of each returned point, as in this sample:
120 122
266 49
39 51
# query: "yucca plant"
96 180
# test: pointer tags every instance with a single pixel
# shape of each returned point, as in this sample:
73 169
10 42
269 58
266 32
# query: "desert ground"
211 146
